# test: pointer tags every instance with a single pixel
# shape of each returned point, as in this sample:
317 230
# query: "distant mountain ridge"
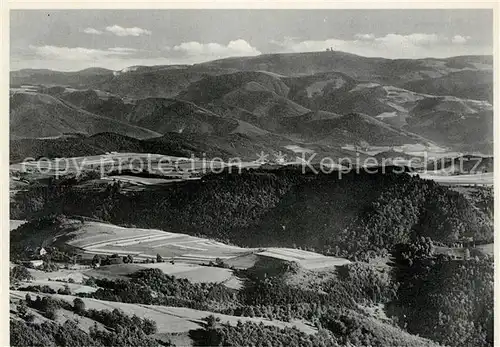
382 70
306 97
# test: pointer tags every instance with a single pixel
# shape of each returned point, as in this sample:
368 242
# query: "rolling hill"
150 82
446 120
362 215
78 79
167 81
94 101
238 122
170 115
75 146
470 132
302 97
263 100
387 71
470 84
35 115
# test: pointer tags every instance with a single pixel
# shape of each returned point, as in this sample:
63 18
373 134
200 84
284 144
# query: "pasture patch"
169 319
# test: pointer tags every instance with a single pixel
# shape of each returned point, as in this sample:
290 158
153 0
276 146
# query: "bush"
22 310
149 326
90 281
39 289
20 273
64 291
29 317
50 313
78 305
49 266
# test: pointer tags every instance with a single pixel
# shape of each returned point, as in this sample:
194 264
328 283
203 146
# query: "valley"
292 199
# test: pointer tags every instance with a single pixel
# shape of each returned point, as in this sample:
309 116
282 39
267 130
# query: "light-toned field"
160 164
168 319
417 150
459 252
84 323
74 287
184 256
106 239
16 223
60 275
479 179
385 115
298 149
193 273
487 249
107 163
306 259
197 273
147 181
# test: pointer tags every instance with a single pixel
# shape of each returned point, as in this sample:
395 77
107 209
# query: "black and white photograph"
251 177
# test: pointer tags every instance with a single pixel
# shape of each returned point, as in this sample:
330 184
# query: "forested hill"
353 215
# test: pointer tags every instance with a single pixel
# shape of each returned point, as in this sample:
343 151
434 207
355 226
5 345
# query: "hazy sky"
76 39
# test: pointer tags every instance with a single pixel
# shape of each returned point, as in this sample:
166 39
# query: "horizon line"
252 56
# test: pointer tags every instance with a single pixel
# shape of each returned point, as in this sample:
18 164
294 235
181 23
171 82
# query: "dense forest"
358 215
450 301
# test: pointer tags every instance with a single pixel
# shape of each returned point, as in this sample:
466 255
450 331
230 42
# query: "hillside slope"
170 115
262 99
471 84
380 70
41 115
78 79
353 213
295 95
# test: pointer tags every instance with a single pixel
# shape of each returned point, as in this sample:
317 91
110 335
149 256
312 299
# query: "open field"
193 273
417 150
107 239
101 238
479 179
487 248
60 275
198 273
56 285
186 252
184 256
84 323
15 223
141 181
308 260
168 319
459 252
